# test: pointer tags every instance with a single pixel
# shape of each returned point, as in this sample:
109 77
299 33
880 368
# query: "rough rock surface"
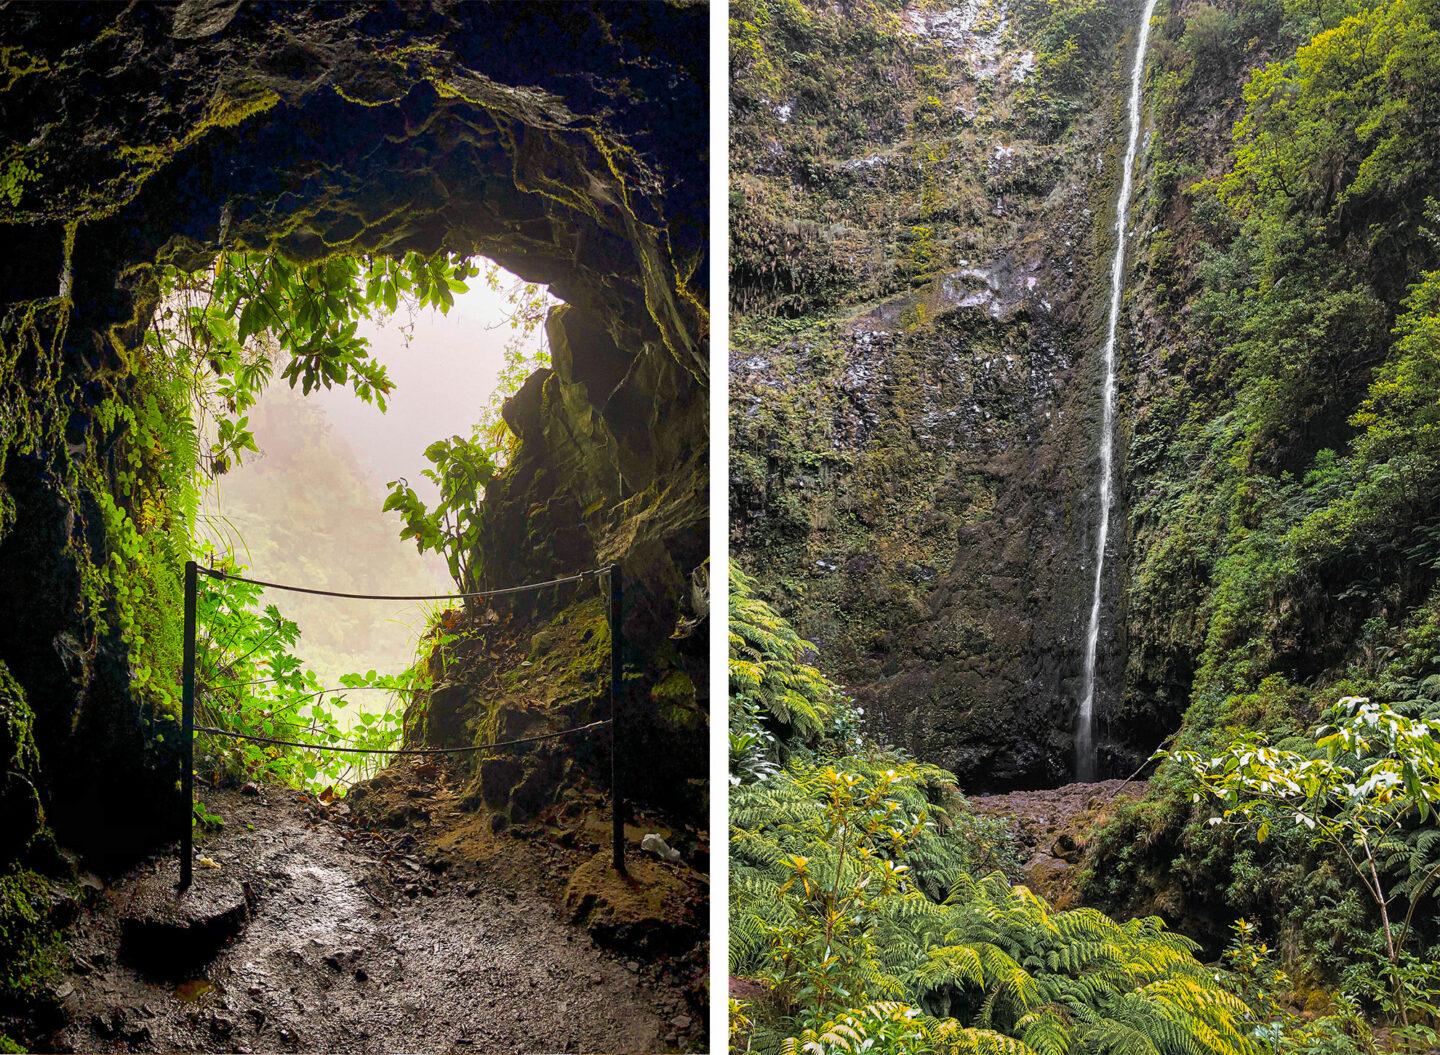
166 929
558 140
648 909
920 265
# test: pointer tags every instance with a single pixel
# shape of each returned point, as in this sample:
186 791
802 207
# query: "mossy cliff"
505 672
565 142
1281 482
1279 471
920 214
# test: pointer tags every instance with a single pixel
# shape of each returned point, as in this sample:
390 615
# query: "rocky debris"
1053 828
164 930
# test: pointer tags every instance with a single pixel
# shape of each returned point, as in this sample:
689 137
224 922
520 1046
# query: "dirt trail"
351 946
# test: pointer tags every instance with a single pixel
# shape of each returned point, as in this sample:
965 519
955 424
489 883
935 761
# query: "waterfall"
1085 731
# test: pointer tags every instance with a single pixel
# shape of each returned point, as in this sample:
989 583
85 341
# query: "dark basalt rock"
168 932
563 141
915 387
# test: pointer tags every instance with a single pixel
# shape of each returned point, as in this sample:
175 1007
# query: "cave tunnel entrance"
564 142
372 491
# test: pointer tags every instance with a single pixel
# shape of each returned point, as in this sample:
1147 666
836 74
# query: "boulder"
167 932
650 911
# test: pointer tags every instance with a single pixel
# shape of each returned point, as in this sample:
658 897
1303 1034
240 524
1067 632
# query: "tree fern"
990 957
1046 1032
766 668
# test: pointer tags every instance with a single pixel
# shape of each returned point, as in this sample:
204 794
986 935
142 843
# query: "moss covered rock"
921 205
21 813
558 140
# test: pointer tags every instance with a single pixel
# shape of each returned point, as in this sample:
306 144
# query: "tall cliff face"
1280 476
1282 484
564 142
921 219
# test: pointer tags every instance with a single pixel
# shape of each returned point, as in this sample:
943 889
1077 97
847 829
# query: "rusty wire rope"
216 574
401 750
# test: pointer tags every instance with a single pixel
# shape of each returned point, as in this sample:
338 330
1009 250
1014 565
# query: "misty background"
306 510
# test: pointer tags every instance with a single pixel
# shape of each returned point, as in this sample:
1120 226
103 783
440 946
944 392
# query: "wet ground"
335 938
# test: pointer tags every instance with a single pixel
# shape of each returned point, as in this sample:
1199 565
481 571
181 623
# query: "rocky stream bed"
308 928
1053 826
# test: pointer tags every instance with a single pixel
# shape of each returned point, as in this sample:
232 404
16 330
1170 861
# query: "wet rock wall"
919 263
559 141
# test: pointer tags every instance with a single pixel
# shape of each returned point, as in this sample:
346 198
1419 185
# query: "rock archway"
565 142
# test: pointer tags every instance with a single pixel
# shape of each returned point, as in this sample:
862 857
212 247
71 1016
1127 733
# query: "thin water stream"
1085 729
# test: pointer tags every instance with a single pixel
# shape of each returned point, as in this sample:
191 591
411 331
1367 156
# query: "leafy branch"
1372 772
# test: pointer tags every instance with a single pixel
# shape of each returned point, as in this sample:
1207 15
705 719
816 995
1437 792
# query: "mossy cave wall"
566 142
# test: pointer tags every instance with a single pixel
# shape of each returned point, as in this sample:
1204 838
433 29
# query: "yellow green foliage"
861 951
1351 115
27 933
766 667
853 900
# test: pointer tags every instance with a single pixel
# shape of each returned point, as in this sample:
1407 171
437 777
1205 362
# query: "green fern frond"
1045 1032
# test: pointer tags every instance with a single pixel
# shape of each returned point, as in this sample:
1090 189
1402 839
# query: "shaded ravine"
1085 729
348 951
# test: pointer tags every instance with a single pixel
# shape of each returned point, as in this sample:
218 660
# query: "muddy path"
314 933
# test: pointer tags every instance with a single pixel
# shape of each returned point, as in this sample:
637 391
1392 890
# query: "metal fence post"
617 687
187 729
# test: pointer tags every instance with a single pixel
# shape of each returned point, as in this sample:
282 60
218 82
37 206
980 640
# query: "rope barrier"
614 614
400 750
320 692
214 574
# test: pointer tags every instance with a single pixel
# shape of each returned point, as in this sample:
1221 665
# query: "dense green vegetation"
1284 474
854 901
1365 789
217 339
249 680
